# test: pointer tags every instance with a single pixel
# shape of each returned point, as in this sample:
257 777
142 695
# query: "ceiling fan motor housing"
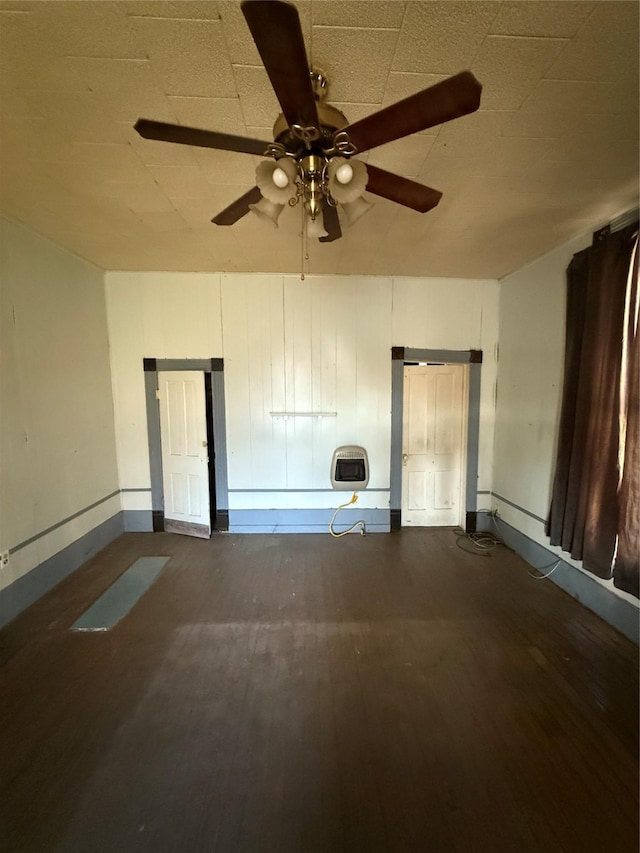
331 119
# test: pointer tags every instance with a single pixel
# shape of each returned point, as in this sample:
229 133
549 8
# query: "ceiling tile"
354 112
572 96
354 13
15 104
79 116
442 37
188 57
462 146
260 107
225 167
28 55
88 29
475 128
356 61
127 87
108 156
241 47
509 68
163 221
181 181
199 10
545 124
543 19
403 157
221 114
144 197
198 212
601 49
29 139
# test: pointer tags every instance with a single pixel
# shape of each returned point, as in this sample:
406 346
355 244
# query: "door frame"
463 422
213 370
408 355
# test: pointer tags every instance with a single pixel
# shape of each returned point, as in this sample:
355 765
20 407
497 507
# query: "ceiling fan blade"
164 132
275 27
452 98
401 190
238 208
331 224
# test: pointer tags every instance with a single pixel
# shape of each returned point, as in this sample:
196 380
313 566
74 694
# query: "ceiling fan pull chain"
303 235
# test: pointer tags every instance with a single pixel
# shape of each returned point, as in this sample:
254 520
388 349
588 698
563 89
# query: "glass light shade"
346 193
267 210
315 228
355 209
270 174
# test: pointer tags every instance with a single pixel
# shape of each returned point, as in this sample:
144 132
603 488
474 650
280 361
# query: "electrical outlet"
4 559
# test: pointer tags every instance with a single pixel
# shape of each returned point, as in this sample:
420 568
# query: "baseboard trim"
25 591
139 521
619 613
306 520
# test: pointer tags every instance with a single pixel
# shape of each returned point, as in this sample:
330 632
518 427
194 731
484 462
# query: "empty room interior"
319 388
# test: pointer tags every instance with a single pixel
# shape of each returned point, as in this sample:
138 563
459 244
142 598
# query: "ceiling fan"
310 158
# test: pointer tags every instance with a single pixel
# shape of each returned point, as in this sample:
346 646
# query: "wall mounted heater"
349 468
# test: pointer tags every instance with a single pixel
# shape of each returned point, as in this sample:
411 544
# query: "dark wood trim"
397 353
149 364
471 524
475 356
222 520
208 400
396 519
157 517
217 364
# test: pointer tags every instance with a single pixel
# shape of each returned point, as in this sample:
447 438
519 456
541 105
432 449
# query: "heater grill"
349 468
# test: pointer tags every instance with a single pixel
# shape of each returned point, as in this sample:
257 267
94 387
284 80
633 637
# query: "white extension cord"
363 530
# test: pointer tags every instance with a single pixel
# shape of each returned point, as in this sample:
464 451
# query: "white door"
185 455
432 445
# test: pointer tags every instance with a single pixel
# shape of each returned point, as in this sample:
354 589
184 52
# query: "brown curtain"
627 563
584 514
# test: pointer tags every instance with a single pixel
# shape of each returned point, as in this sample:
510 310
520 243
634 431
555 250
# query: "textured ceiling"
552 152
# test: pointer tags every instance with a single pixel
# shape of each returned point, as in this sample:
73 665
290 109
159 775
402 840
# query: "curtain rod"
617 224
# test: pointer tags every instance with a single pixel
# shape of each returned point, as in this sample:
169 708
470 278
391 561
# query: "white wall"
57 443
153 315
318 345
454 314
530 375
321 345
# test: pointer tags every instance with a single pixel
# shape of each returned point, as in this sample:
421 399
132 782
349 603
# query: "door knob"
405 458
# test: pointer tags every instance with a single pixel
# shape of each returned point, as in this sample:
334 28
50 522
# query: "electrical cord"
363 530
481 542
540 577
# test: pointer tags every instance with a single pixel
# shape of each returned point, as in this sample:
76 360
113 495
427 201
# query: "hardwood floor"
301 694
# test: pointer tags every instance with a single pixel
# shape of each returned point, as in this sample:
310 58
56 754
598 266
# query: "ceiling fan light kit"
311 159
267 210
